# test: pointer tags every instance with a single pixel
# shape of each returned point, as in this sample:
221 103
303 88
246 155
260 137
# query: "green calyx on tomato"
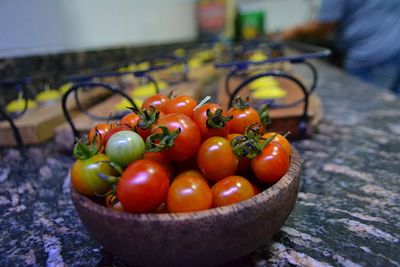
240 103
84 150
263 112
216 119
148 117
158 142
250 145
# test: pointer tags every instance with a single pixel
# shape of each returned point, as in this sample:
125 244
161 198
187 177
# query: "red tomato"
143 186
158 101
147 119
102 129
130 120
113 131
190 173
271 164
187 142
163 160
244 164
243 116
230 190
216 125
216 159
189 193
281 140
181 104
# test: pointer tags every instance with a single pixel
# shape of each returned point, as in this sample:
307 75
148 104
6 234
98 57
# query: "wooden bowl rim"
291 174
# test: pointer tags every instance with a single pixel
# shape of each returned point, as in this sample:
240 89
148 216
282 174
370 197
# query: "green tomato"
84 176
125 147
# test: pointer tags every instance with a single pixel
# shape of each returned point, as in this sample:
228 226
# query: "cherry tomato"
189 193
190 172
158 101
102 129
230 190
84 176
181 104
244 164
147 119
216 159
113 203
216 125
162 159
125 147
241 118
143 186
280 139
187 142
130 120
271 164
113 131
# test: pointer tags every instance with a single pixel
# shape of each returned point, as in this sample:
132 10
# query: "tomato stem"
263 112
148 117
158 142
202 102
216 119
240 103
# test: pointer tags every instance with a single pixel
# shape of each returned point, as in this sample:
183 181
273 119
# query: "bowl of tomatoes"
183 183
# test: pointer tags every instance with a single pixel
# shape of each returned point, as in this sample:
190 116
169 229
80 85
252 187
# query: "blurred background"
46 26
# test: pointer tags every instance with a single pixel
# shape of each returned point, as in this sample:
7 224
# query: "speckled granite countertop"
347 213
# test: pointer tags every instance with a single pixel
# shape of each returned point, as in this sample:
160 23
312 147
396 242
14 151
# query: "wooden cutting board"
37 125
283 119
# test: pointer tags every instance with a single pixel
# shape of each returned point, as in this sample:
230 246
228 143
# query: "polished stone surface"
347 213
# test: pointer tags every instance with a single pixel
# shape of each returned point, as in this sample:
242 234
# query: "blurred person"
366 31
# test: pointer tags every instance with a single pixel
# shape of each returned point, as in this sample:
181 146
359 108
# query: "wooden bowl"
200 238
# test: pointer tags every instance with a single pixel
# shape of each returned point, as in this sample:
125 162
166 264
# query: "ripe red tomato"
158 101
243 116
187 142
230 190
102 129
189 193
244 164
130 120
216 159
280 139
181 104
84 176
216 125
163 160
147 119
190 172
271 164
143 186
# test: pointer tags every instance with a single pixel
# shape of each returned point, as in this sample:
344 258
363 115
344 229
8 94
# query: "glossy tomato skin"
271 164
187 142
280 139
102 129
189 193
182 104
158 101
143 186
216 159
161 159
84 176
113 131
130 120
244 164
200 118
241 118
230 190
125 147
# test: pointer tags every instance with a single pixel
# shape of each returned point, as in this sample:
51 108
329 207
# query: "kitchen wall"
48 26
